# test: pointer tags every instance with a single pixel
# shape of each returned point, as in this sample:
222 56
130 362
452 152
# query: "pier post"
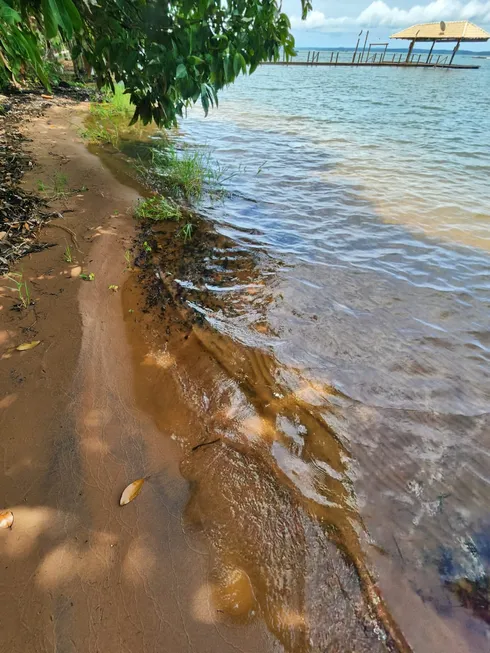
357 45
365 43
410 51
454 51
430 52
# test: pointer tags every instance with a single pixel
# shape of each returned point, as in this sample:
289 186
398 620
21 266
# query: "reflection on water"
345 362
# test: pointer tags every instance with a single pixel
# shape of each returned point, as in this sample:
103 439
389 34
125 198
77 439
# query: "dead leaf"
131 492
2 234
47 97
28 345
6 519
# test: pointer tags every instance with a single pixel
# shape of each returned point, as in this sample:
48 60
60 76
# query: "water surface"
360 215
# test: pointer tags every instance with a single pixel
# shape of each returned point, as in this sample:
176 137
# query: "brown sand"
79 573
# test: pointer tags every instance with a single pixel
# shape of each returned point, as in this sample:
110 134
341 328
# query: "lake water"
362 198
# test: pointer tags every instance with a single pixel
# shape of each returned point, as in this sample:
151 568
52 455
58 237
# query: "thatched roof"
458 30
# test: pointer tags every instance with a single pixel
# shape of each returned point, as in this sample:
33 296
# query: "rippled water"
361 197
364 194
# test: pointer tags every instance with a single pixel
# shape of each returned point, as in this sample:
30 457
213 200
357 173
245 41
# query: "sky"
334 23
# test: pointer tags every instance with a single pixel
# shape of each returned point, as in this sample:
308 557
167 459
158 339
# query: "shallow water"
350 301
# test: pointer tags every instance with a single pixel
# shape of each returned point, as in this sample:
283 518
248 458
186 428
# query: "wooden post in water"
365 43
369 50
337 59
357 45
410 51
331 57
384 53
430 52
454 51
308 58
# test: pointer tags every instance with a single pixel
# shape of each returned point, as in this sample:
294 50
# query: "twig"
400 553
72 233
205 444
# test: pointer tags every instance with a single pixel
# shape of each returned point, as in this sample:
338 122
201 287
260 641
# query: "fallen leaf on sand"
47 97
28 345
131 492
6 519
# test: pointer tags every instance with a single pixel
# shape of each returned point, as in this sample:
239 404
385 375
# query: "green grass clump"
184 175
60 184
158 209
58 189
117 104
108 120
21 288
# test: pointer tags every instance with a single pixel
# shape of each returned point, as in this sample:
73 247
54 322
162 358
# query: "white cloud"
379 14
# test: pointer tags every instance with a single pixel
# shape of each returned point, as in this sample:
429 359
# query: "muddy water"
331 401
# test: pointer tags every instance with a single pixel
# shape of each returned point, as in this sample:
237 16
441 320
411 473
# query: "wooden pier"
397 63
455 31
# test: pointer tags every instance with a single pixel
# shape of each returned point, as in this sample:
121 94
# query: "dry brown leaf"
28 345
131 492
47 97
6 519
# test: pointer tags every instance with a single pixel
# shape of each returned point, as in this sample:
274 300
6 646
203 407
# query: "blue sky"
336 23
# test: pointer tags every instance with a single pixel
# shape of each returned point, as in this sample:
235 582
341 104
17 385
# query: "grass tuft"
108 120
158 209
21 288
67 255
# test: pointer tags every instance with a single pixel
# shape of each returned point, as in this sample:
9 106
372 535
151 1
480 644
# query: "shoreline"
78 565
111 395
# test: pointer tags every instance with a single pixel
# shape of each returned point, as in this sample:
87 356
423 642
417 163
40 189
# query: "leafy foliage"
168 55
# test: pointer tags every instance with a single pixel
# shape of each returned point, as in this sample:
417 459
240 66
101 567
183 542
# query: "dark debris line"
21 212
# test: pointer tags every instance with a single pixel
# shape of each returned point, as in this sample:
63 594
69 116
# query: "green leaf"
239 63
8 15
181 72
195 60
50 22
64 20
74 15
204 99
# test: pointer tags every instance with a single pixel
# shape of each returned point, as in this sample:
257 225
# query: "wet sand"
80 573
